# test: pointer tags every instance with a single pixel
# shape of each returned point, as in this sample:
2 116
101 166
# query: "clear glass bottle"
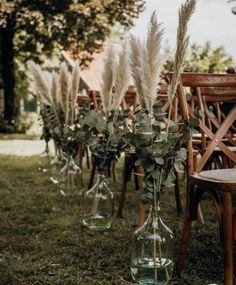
70 178
152 251
57 163
45 159
98 206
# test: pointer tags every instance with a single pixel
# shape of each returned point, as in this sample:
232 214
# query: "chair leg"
183 245
186 231
92 175
123 188
234 226
81 152
141 213
114 171
87 157
140 170
228 238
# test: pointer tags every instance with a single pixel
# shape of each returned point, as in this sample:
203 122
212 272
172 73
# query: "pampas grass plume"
108 79
121 77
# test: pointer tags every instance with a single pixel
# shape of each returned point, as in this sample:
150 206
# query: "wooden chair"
219 183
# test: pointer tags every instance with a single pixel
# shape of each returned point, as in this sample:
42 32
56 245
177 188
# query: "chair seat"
218 179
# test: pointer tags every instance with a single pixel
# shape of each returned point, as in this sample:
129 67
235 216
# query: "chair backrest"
213 100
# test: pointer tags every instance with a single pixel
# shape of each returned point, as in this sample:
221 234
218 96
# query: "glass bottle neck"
101 177
153 216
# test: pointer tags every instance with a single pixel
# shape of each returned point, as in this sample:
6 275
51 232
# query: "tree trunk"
7 54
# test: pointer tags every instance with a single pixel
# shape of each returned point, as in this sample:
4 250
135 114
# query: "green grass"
42 240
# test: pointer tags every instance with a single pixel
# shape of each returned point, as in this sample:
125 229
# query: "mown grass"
42 240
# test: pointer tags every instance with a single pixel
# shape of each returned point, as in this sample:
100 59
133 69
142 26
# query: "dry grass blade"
122 78
136 69
54 89
40 83
108 79
65 90
185 12
152 62
74 89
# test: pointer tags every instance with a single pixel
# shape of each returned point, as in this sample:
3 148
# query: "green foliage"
106 139
204 58
68 137
159 149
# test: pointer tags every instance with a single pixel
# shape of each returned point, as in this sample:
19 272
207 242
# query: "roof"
91 77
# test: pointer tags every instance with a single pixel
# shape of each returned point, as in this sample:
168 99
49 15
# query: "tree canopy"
32 28
205 58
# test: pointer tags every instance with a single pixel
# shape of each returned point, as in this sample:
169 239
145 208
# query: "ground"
42 240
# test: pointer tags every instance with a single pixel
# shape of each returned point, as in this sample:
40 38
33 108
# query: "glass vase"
152 251
57 163
98 206
70 179
45 159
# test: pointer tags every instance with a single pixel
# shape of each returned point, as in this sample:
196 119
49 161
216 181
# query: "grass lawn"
42 240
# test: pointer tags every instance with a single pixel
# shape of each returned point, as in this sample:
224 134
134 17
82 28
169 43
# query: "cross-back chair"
212 93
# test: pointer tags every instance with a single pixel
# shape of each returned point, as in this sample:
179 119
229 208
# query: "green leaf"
155 174
100 126
147 164
137 162
114 139
201 114
159 160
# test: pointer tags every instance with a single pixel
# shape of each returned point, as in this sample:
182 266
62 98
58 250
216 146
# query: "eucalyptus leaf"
201 114
159 160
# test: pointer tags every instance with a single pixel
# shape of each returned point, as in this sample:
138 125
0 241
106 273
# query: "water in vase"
144 271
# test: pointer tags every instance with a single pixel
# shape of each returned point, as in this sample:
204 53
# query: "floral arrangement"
157 139
57 94
106 127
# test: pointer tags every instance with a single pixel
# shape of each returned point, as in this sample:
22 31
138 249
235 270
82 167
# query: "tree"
204 59
32 28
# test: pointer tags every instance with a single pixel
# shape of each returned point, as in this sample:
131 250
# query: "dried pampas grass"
185 12
136 68
121 78
57 91
108 79
74 89
40 86
65 82
152 62
146 63
146 59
